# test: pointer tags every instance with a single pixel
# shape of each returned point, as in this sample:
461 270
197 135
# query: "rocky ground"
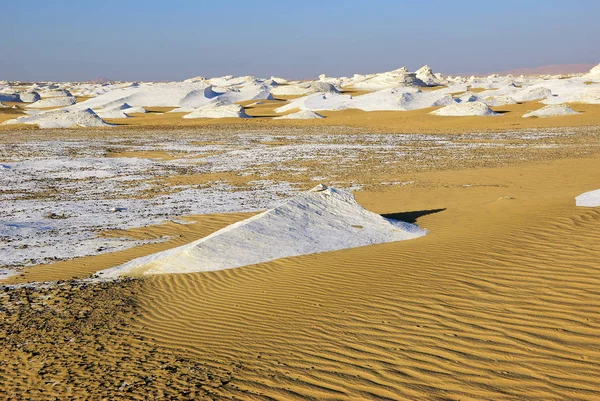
70 341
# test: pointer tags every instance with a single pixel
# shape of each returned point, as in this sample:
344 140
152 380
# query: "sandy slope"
500 301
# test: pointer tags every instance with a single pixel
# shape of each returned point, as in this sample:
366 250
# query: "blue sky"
172 40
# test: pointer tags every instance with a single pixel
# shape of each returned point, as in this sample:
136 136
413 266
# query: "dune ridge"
502 310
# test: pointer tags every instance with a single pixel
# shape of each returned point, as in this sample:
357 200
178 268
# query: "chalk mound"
53 102
10 97
120 105
500 100
218 110
135 109
56 93
465 109
470 97
119 110
114 113
323 219
325 87
588 199
595 72
62 119
553 110
529 94
426 75
29 97
290 90
301 115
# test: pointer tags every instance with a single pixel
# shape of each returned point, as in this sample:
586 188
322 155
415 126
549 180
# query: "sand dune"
499 301
502 310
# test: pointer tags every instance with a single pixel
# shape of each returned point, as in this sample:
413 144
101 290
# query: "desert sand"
499 300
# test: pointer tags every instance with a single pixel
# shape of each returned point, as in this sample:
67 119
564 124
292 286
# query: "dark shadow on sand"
411 217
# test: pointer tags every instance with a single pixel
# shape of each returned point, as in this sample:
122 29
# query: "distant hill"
551 69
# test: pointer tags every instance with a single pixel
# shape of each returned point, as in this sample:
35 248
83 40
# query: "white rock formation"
470 97
53 102
62 119
401 98
55 93
500 100
465 109
323 219
426 75
29 97
553 110
529 94
300 115
218 110
588 199
594 72
9 97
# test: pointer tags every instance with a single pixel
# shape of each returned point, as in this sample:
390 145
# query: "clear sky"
175 39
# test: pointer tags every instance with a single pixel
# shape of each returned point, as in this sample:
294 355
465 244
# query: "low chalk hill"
322 219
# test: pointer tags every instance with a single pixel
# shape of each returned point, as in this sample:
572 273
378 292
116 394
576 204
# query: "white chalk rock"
53 102
500 100
218 111
320 220
300 115
55 93
465 109
553 110
62 119
29 97
588 199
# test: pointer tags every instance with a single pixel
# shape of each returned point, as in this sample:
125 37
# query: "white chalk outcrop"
53 102
500 101
426 75
55 93
115 113
323 219
291 90
119 110
594 72
401 98
62 119
300 115
9 97
553 110
29 97
588 199
218 110
529 94
470 97
325 87
465 109
399 77
184 95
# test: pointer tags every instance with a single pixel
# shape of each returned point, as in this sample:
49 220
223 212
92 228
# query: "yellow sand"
499 301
